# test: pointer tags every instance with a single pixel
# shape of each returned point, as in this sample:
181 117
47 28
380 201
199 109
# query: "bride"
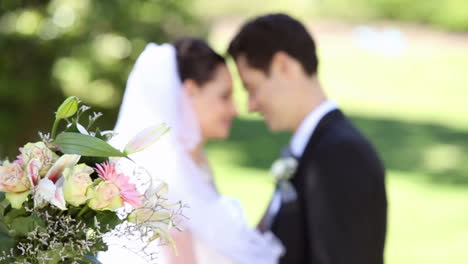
188 86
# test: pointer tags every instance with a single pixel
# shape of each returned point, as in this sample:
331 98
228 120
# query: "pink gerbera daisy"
128 191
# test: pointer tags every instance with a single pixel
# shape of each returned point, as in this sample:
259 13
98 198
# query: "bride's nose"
234 110
253 105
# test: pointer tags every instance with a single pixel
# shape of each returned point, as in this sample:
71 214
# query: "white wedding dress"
218 227
204 253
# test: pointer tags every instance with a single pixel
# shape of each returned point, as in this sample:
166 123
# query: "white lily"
65 161
145 138
49 192
32 171
50 188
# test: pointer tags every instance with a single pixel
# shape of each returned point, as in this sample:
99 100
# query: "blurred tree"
55 48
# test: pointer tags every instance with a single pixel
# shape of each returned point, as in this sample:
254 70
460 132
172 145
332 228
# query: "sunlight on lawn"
417 86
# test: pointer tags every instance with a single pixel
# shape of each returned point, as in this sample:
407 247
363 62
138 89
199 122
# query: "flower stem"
54 128
83 210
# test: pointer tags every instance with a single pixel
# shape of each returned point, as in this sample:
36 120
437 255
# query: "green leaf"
92 259
68 108
98 134
108 220
24 225
53 256
13 214
3 228
99 246
85 145
92 161
3 204
6 243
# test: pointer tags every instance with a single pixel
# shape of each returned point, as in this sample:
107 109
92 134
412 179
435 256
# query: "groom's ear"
285 65
280 63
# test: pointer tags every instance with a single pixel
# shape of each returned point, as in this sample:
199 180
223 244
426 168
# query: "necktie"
288 193
284 193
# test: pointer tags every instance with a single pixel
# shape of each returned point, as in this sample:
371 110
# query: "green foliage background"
55 48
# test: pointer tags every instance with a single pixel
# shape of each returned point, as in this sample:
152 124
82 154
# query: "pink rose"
41 154
13 179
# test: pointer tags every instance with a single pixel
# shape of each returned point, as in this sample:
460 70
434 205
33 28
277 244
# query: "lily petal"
156 190
45 191
33 171
51 193
65 161
59 198
145 138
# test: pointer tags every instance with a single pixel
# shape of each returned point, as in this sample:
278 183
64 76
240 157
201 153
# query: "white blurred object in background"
387 42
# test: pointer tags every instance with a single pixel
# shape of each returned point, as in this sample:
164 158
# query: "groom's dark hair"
259 39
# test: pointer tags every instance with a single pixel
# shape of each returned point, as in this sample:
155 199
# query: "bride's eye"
226 96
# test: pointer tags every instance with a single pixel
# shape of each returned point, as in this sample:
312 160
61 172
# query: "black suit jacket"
341 211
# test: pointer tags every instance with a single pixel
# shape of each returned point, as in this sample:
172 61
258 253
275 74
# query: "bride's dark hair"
196 60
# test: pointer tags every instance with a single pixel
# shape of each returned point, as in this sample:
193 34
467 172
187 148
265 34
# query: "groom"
339 209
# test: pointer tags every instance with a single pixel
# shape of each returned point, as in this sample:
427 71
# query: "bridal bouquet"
63 194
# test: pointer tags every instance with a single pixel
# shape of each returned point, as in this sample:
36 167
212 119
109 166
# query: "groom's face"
267 93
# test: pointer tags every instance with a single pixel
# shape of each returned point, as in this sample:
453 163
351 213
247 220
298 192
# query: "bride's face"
213 104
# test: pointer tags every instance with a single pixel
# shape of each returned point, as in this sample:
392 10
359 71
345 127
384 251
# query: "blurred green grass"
424 84
412 107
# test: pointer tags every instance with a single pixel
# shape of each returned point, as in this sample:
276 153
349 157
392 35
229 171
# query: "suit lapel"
314 139
305 182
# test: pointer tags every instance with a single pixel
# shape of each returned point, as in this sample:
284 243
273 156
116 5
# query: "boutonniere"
284 168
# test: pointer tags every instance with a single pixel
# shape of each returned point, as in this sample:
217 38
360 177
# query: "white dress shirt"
297 146
309 124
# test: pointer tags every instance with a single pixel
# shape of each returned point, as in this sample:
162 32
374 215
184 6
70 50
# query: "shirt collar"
308 126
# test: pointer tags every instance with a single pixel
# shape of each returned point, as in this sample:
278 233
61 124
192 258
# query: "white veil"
154 95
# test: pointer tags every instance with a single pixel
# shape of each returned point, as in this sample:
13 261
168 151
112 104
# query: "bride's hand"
185 250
